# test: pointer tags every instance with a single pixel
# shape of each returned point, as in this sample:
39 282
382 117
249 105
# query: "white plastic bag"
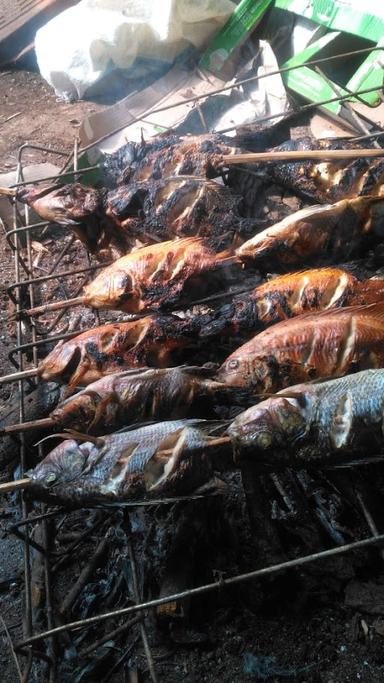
76 47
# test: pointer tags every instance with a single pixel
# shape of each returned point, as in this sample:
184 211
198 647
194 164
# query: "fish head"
64 465
61 363
78 411
111 289
247 369
268 428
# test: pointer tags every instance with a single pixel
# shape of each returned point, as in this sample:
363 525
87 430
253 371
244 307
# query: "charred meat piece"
314 424
161 276
316 345
134 396
164 458
323 233
103 350
177 207
289 295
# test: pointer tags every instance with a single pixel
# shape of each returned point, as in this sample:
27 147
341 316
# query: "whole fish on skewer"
156 278
179 206
289 295
325 181
168 155
166 458
315 345
314 424
321 234
148 341
134 396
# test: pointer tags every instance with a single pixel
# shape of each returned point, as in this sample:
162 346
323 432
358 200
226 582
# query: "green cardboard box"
242 20
343 17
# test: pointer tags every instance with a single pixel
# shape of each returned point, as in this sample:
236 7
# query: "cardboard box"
242 20
348 18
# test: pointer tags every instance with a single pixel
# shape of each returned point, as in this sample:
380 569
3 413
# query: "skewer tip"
15 485
7 191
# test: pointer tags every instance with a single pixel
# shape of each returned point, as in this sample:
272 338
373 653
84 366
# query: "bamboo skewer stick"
55 306
16 376
300 155
43 423
14 485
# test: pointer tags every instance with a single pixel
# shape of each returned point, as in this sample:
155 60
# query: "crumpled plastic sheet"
79 45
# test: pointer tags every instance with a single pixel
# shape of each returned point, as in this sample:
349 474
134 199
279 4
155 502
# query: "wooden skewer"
14 485
43 423
300 155
8 191
55 306
23 374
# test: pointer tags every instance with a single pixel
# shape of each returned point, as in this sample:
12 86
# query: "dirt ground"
308 635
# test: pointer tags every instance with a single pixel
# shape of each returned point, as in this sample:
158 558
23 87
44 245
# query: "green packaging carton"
343 17
242 20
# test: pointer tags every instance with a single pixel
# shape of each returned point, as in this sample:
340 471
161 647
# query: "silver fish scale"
364 392
147 439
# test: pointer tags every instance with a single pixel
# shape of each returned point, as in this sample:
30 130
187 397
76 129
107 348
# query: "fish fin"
59 435
81 436
100 408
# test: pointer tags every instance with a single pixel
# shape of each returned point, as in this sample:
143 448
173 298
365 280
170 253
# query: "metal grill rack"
44 639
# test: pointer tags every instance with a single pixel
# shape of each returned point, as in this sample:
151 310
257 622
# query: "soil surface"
316 625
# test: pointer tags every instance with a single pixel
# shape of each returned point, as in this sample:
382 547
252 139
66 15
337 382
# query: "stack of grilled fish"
299 379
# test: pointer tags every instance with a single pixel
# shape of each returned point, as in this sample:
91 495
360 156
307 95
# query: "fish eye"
264 440
233 364
50 479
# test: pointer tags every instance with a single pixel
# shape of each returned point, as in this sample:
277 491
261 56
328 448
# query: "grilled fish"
148 341
314 424
328 181
179 206
162 458
160 277
165 156
147 394
326 344
322 233
289 295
